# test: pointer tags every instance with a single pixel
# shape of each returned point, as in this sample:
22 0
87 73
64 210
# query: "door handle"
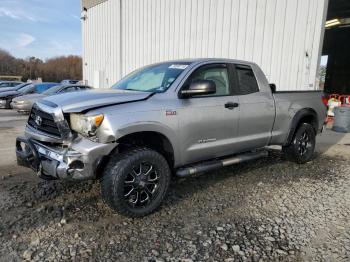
231 105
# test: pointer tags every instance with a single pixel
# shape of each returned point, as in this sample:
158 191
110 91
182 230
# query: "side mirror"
200 87
273 88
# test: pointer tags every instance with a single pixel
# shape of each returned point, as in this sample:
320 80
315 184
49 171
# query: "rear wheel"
134 183
302 148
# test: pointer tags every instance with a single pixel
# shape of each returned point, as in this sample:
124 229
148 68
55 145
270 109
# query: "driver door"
209 123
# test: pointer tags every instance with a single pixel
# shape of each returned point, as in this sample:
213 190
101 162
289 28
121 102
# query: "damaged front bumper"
79 161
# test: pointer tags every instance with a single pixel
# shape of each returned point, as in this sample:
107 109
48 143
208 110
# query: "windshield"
21 86
52 90
26 88
155 78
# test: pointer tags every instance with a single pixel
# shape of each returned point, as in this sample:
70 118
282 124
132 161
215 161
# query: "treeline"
53 69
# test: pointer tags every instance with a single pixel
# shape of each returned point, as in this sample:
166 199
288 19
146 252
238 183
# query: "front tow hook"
27 154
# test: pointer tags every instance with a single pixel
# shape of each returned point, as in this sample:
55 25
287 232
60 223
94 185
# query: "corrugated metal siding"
282 36
101 43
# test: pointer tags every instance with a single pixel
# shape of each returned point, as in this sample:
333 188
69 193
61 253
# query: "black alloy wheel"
141 185
302 148
304 144
135 182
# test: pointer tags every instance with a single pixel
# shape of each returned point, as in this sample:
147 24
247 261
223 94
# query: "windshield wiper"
135 90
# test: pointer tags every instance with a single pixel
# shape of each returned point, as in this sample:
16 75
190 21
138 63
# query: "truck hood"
77 102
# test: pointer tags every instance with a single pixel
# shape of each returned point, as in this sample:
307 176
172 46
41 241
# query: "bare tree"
54 69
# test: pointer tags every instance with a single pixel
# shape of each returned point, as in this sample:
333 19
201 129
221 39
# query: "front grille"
47 123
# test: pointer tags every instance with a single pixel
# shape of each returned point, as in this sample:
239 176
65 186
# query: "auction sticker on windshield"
182 67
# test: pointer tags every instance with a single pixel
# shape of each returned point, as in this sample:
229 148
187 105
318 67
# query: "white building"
284 37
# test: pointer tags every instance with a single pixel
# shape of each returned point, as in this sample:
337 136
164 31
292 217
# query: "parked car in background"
24 103
69 82
6 97
4 84
14 88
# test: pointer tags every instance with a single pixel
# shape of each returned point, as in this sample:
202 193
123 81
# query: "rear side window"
69 89
247 83
81 87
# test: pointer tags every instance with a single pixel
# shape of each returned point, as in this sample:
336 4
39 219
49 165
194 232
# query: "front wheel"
134 183
302 148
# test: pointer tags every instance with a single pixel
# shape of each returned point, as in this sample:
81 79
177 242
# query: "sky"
40 28
324 60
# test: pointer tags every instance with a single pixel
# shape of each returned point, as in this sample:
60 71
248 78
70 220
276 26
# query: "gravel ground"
265 210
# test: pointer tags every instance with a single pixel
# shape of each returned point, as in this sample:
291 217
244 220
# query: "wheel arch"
152 139
305 115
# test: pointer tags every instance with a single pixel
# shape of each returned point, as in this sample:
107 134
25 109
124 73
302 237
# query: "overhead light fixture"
332 22
84 14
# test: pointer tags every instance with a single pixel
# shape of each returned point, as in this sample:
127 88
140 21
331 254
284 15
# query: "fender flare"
155 127
305 112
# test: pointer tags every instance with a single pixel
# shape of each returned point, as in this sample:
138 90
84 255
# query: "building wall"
91 3
282 36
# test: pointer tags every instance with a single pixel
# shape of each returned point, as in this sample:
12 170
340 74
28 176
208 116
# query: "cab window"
247 83
217 73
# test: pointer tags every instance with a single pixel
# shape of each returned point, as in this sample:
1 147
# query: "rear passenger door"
256 109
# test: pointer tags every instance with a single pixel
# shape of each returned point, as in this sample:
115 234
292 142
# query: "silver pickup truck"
169 119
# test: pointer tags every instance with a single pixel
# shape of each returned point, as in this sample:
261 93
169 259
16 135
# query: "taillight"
325 100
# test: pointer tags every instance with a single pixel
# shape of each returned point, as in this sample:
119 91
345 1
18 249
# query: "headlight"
19 102
85 125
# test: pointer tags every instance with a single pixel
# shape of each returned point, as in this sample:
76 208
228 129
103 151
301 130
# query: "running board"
216 164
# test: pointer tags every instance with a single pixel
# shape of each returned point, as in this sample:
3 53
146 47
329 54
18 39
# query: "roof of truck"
201 60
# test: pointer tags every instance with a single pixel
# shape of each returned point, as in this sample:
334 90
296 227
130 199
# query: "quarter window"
246 80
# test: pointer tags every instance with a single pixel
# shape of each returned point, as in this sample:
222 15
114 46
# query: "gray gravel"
266 210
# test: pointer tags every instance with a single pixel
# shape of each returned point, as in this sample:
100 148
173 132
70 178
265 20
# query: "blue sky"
40 28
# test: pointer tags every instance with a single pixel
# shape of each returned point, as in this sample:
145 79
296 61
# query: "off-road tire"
302 147
119 167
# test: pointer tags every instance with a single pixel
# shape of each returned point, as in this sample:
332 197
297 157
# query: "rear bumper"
77 162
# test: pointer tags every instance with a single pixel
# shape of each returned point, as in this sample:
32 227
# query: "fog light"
77 164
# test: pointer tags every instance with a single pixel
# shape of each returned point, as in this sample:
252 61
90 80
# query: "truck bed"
287 104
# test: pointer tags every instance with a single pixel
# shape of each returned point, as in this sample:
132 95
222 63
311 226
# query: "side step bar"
216 164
